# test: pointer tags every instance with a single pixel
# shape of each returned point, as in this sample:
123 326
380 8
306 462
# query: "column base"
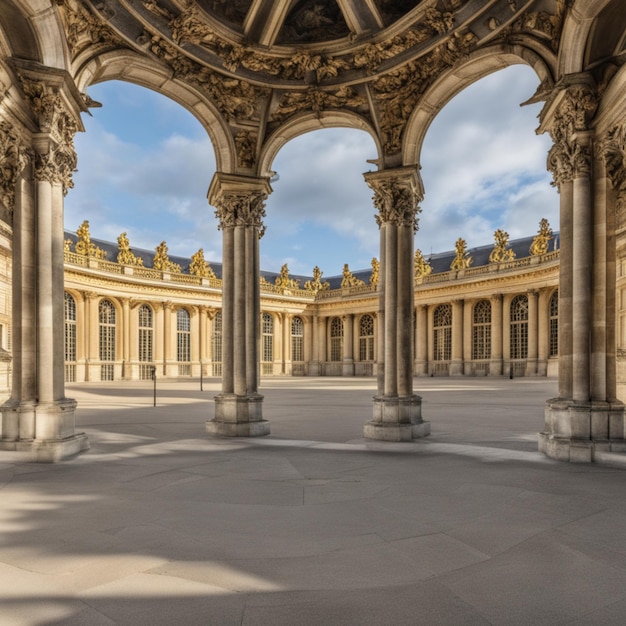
575 431
396 419
41 433
238 416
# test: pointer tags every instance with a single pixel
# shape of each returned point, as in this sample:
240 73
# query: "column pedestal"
238 416
42 433
397 419
575 430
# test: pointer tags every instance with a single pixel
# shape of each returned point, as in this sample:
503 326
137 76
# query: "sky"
145 164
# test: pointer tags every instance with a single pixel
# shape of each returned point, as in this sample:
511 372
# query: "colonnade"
588 167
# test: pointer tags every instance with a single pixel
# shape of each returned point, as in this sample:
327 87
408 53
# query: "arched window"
70 338
336 339
145 324
183 342
519 327
366 338
267 344
106 315
554 324
442 332
297 340
481 330
216 344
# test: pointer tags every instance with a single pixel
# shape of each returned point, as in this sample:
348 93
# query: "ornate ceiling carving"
262 62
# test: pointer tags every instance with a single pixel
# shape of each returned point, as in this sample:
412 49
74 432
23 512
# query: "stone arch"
129 67
452 82
578 25
306 123
612 108
31 31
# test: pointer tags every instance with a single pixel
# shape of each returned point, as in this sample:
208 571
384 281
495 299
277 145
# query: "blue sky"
145 164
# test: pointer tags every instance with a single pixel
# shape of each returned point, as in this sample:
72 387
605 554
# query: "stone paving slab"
160 524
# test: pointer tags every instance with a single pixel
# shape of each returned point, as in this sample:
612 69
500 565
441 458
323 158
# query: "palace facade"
130 313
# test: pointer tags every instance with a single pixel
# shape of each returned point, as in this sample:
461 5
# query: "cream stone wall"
90 280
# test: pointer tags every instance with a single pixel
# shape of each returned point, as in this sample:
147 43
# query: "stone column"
397 413
421 348
468 311
239 202
287 344
92 342
348 345
543 332
497 327
585 418
456 364
203 354
533 333
169 341
308 344
126 356
314 363
38 421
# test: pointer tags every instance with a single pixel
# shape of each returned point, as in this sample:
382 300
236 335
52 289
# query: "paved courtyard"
159 524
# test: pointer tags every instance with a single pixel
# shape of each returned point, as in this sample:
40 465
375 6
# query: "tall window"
106 314
554 324
297 340
519 327
366 338
442 331
267 344
70 338
481 330
336 339
216 344
183 342
145 341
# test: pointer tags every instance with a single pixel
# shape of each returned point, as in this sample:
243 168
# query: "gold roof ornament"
284 282
67 245
162 261
500 252
542 239
316 284
349 280
375 275
124 254
421 266
199 266
84 245
462 260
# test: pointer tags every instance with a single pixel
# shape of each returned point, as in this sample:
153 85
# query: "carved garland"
14 157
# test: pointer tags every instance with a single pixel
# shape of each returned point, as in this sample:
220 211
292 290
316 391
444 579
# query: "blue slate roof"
440 261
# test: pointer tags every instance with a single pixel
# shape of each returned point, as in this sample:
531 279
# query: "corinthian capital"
567 117
239 200
397 194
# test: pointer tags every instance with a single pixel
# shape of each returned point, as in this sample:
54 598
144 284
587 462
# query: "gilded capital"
397 194
239 200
